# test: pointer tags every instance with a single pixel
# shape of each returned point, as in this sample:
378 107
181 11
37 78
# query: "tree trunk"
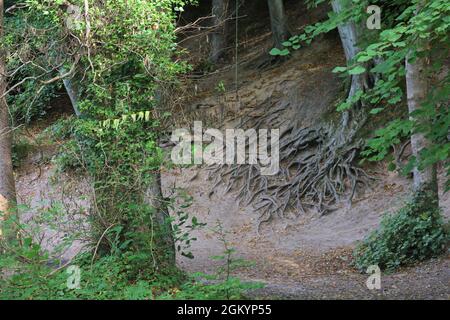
219 35
349 37
154 198
72 92
347 32
425 181
278 22
7 185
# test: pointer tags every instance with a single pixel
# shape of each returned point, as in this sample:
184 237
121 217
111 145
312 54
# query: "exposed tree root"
316 170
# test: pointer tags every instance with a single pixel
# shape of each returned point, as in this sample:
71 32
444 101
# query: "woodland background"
91 91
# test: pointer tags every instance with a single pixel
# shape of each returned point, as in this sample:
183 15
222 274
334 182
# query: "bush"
28 275
28 271
415 233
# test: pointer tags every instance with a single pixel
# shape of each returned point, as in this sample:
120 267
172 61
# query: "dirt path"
429 280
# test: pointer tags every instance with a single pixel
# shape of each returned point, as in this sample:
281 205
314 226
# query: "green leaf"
284 52
390 35
364 58
392 166
357 70
275 52
376 110
339 69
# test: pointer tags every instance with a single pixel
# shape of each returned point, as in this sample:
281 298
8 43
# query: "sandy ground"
53 204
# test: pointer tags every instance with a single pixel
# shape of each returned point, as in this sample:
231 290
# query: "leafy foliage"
123 57
35 274
415 233
121 69
379 146
405 23
28 56
120 56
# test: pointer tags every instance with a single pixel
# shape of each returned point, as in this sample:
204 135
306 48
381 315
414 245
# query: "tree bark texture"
7 184
278 22
219 35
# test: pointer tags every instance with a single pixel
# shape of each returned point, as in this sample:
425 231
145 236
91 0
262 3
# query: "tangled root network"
317 170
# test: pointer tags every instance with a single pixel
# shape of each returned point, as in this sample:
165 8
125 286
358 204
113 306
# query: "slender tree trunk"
278 22
417 85
348 32
349 37
219 35
7 185
72 92
154 198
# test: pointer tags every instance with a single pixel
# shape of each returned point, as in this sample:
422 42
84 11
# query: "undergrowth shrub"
107 278
206 287
221 284
415 233
28 271
28 105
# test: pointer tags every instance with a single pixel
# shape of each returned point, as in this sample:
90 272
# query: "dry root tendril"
317 171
